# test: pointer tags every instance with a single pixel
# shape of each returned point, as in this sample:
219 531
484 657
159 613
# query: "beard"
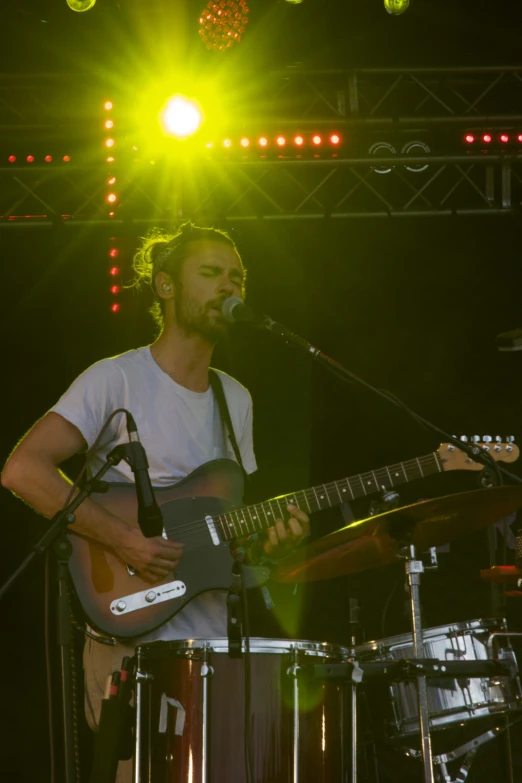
199 320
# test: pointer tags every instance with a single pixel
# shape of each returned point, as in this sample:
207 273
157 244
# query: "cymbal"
501 575
372 543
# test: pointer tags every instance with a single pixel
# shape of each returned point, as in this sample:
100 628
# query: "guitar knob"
463 438
475 438
151 596
121 606
487 438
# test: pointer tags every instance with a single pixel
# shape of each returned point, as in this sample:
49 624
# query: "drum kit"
303 712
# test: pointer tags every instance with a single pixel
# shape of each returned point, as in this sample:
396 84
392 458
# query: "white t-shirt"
180 430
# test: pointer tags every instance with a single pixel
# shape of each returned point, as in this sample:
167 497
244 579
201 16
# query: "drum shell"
296 723
452 702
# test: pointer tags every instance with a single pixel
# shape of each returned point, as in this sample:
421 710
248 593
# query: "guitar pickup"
135 601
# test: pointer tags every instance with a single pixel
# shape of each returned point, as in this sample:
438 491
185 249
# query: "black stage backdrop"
412 306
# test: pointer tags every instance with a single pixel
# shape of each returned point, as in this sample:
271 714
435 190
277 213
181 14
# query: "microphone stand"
56 536
413 565
234 613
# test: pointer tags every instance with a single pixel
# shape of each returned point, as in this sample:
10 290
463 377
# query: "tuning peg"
475 438
487 439
510 439
464 438
498 439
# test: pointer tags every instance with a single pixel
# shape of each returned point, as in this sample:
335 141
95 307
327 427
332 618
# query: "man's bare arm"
32 472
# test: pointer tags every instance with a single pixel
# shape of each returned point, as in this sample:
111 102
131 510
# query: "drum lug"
206 670
142 676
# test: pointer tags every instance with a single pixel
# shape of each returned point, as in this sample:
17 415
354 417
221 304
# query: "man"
166 388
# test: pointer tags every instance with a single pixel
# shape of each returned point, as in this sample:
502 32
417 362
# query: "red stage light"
263 142
245 142
107 105
111 181
30 158
67 158
115 289
335 139
114 271
48 158
110 159
280 141
519 137
114 252
469 138
115 307
299 141
317 140
12 158
504 138
486 138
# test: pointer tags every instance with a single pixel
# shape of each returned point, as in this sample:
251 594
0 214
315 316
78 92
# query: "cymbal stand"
354 625
414 568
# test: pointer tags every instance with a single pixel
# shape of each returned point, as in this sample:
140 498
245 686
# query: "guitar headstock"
453 458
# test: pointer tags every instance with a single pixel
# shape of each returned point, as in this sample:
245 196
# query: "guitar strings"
194 529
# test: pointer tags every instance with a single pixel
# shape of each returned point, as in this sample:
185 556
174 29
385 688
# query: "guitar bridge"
145 598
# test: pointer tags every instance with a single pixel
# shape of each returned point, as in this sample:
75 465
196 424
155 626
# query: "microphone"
235 310
150 518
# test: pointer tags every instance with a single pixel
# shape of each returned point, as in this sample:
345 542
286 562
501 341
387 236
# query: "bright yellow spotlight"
80 5
396 7
181 117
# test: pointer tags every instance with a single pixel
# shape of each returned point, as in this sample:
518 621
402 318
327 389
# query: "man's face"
210 274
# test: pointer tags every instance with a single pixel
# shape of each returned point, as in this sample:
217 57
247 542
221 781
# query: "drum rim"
258 644
436 630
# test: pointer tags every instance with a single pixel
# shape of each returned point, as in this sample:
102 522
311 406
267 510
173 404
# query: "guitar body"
100 577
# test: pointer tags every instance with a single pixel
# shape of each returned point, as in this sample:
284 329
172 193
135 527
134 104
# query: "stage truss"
417 118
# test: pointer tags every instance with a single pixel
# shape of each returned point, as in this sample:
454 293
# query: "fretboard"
251 519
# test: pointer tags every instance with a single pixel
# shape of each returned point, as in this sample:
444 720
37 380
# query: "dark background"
412 306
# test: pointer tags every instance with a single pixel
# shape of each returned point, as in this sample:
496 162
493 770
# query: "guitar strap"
217 388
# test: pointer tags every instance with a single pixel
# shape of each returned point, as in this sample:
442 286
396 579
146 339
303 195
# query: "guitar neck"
252 519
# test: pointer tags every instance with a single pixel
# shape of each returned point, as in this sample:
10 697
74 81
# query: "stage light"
263 142
504 138
107 105
245 142
110 159
416 149
80 5
280 141
181 117
115 307
112 197
30 158
335 139
316 140
384 150
109 142
222 23
396 7
115 289
114 271
12 158
486 138
299 141
111 181
469 138
227 143
66 158
109 124
113 252
519 138
48 158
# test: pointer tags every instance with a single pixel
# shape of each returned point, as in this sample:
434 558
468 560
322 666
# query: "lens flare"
181 117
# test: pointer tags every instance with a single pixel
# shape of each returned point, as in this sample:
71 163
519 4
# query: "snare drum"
191 713
451 701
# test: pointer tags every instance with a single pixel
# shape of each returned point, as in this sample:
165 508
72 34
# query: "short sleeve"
91 399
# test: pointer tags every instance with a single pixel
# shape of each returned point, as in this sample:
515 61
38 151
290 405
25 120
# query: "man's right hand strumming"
153 558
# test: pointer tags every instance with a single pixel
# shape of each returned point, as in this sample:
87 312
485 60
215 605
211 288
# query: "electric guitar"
204 513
